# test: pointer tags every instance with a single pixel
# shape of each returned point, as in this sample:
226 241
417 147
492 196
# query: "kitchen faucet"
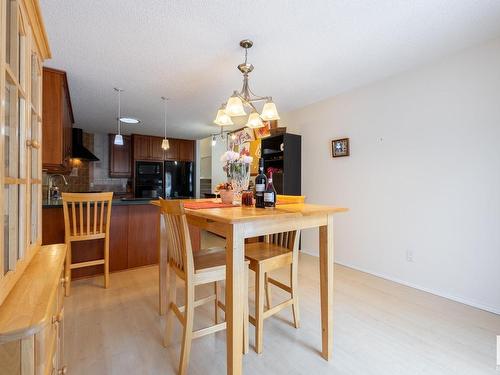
52 187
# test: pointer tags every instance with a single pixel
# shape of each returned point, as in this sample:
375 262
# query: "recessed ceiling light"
129 120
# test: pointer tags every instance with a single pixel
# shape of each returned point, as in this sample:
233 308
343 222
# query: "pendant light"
118 137
165 144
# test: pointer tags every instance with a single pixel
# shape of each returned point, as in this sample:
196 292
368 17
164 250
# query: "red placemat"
200 205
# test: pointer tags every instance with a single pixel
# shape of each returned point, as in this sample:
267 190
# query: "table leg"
235 272
326 286
163 266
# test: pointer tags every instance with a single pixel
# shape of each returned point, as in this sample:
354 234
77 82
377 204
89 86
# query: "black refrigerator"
179 179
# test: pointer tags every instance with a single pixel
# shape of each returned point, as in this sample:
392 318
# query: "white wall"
206 157
423 175
197 169
218 175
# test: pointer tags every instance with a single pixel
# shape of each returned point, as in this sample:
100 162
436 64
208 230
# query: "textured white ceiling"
188 50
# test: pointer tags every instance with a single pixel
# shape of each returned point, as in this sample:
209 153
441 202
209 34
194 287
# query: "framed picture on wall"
340 147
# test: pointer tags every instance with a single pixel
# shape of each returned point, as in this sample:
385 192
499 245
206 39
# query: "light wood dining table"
238 223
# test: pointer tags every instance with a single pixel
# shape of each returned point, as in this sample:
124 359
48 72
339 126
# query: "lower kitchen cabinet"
32 318
133 240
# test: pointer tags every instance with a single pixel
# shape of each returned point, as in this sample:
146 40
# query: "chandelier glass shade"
254 121
222 118
234 106
237 102
269 112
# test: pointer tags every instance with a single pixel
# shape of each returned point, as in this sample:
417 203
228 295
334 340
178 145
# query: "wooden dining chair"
87 216
193 268
276 251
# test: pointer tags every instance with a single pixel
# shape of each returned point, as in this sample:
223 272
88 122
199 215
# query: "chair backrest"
286 239
179 250
86 215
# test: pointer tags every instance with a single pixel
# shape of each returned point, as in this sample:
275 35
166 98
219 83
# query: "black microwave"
145 168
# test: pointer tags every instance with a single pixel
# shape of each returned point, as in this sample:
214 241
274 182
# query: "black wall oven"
149 179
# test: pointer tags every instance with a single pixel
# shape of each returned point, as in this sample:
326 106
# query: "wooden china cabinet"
31 303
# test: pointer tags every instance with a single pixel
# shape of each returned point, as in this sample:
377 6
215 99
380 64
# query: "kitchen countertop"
116 202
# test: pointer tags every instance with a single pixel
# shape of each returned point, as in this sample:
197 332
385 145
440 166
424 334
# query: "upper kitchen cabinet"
120 157
186 150
141 147
156 152
149 148
57 121
173 152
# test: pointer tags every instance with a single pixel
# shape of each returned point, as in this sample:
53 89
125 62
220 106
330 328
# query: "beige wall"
423 178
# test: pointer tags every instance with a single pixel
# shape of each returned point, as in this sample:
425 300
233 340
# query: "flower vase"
240 178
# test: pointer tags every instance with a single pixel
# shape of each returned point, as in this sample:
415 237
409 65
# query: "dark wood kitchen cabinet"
173 152
141 145
120 157
186 150
57 122
156 152
149 148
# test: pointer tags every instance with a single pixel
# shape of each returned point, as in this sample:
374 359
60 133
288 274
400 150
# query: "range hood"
79 151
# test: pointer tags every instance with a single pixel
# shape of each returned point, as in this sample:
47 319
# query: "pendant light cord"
165 114
119 108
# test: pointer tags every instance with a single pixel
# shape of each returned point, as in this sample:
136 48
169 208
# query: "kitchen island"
133 236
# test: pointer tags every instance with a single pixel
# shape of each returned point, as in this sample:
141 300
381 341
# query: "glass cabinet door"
20 136
35 179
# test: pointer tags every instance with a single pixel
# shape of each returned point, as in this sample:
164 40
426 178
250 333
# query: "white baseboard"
494 310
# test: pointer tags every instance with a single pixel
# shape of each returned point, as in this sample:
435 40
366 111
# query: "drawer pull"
63 370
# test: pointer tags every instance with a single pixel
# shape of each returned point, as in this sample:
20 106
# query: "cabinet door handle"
63 370
33 143
64 280
56 319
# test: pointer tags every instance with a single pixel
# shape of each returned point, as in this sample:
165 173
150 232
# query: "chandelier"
245 98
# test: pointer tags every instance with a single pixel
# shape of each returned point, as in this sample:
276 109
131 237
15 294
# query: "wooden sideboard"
32 318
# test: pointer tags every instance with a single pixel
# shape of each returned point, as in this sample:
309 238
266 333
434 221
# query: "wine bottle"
260 185
270 193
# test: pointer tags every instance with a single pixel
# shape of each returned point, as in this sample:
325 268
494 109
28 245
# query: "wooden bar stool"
201 267
87 216
277 251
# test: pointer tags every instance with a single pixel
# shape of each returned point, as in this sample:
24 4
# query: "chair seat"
262 251
209 258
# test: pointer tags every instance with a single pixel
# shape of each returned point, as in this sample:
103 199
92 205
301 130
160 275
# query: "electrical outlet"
409 256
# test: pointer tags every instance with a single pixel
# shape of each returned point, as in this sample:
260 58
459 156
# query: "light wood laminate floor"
380 328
